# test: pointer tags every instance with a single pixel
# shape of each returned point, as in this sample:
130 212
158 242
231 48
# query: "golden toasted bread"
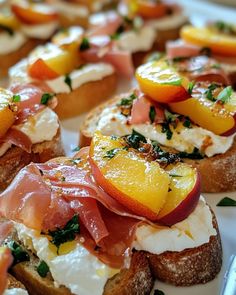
15 158
85 97
13 283
218 173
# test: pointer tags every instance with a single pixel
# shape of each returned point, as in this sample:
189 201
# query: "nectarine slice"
7 116
183 195
211 115
34 13
139 185
162 82
150 9
49 62
219 43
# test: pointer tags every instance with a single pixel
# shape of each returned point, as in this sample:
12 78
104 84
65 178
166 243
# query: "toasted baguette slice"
15 158
85 97
192 266
14 283
137 280
8 60
218 172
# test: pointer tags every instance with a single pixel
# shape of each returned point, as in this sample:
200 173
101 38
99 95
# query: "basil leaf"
158 292
84 44
111 153
46 97
127 101
225 95
42 269
76 149
166 129
225 27
195 155
68 81
18 252
190 87
68 233
16 98
175 175
170 117
9 30
209 91
227 202
187 122
116 35
135 139
152 114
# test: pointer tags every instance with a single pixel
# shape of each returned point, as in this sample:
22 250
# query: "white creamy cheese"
78 270
15 291
4 148
192 232
41 127
42 31
88 73
11 43
183 140
140 40
70 10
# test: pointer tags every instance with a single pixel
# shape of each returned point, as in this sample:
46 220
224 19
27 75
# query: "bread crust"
85 97
13 283
218 173
191 266
8 60
15 158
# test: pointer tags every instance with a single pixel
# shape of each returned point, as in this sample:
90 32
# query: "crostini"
217 39
24 26
78 84
25 116
195 120
100 220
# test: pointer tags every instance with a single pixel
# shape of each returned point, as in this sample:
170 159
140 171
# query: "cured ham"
5 229
179 48
46 196
18 138
6 260
140 112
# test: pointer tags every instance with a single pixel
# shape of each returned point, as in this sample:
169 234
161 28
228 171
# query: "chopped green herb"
68 81
76 161
216 66
42 269
84 44
10 31
166 129
63 178
16 98
187 122
194 155
152 114
170 117
18 252
76 149
111 153
227 202
175 175
225 95
127 101
225 27
162 156
60 236
190 87
134 139
116 35
46 97
158 292
209 91
177 82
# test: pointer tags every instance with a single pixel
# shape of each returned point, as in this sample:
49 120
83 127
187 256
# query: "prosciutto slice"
6 260
18 138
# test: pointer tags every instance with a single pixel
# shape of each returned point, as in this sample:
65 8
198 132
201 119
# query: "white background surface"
199 12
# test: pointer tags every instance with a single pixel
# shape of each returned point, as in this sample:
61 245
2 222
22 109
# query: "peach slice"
49 62
162 82
7 116
211 115
150 9
183 195
139 185
7 19
34 13
219 43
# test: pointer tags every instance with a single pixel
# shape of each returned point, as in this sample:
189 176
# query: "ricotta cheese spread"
112 122
192 232
15 291
42 31
11 43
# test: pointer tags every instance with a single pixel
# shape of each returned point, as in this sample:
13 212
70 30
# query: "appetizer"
25 115
217 39
195 120
23 26
78 84
100 222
